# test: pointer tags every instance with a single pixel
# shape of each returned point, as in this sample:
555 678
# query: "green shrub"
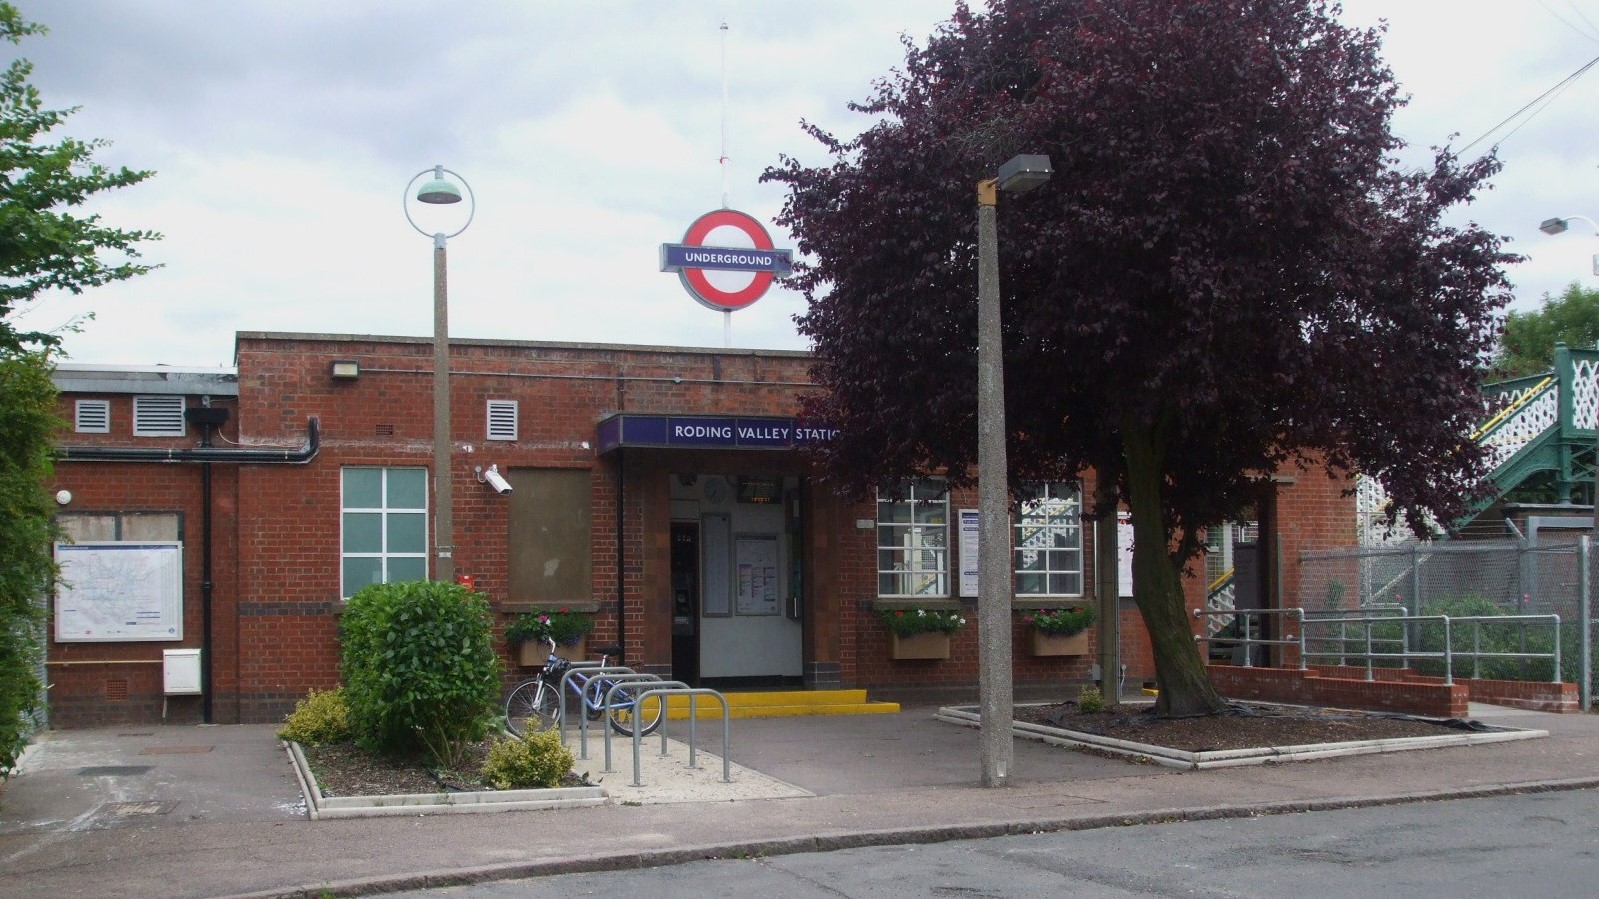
319 717
1090 700
27 528
420 673
533 761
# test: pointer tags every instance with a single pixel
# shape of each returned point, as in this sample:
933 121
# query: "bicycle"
536 702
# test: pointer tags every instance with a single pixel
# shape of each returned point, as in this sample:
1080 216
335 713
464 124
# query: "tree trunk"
1185 689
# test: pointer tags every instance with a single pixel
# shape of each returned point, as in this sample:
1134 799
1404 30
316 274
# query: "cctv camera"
492 476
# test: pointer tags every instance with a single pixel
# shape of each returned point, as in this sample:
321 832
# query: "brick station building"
663 489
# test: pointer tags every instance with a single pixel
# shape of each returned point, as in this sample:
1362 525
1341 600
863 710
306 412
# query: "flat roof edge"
519 344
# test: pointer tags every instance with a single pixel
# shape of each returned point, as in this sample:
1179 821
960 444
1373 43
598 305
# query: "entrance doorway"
735 585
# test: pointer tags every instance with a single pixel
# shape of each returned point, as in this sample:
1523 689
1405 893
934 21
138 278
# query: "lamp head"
1024 172
1554 226
438 191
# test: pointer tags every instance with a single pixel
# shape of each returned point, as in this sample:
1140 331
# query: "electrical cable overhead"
1539 102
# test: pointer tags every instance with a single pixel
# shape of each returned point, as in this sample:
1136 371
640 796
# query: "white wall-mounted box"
180 672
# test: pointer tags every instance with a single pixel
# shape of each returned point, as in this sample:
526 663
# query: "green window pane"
407 533
408 488
1029 584
408 569
893 512
361 572
363 488
363 532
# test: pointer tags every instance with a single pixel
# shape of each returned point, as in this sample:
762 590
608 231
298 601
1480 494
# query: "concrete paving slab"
875 780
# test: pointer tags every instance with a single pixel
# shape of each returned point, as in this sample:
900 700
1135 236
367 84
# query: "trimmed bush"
420 674
319 717
535 761
1090 700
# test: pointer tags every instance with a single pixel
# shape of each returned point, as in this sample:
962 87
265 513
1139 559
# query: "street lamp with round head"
441 191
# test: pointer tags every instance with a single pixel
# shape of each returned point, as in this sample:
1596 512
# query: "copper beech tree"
1229 273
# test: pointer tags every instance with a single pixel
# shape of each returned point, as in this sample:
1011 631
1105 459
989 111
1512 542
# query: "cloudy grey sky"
284 132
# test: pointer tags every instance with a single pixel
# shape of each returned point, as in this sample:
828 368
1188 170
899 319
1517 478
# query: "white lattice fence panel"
1585 393
1222 599
1523 426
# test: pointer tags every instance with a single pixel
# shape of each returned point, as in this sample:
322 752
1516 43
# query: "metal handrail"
1247 641
1449 652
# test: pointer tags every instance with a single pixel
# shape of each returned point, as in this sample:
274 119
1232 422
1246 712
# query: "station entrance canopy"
707 432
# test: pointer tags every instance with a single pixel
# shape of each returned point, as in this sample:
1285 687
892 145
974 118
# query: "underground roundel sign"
726 260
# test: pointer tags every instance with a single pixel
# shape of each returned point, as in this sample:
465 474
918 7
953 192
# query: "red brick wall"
277 531
1291 685
106 683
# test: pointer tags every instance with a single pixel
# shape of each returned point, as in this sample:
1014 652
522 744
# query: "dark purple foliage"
1228 256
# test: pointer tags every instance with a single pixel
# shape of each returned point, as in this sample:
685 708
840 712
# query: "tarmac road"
1529 845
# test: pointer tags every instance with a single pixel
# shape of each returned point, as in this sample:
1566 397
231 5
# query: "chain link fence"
1468 578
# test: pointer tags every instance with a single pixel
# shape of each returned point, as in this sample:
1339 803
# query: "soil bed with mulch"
1242 726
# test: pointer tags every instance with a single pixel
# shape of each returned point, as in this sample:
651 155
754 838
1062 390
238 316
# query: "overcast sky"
283 134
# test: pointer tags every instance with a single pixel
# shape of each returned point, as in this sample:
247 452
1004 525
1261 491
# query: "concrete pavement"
215 811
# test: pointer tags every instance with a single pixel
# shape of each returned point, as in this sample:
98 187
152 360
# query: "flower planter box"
531 653
929 645
576 652
1060 644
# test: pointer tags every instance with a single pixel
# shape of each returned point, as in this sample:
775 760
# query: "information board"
970 543
756 568
119 592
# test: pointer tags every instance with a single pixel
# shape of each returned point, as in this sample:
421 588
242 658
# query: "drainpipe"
252 456
208 418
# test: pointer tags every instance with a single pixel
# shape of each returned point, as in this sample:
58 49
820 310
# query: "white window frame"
386 513
99 421
499 414
1038 522
920 543
161 407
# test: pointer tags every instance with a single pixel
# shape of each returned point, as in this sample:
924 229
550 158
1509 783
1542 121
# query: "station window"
384 525
913 540
1048 546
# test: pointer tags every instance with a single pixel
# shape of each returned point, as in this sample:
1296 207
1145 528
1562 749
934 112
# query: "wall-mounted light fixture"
345 369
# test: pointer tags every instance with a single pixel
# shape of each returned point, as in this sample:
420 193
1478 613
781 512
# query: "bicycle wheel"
532 706
624 705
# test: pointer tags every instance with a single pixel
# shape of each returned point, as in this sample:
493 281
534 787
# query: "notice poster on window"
755 566
969 521
119 591
1124 553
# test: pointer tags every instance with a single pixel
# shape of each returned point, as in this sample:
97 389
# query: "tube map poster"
119 591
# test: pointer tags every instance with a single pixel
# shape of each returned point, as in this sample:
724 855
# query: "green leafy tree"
1527 345
27 527
1228 274
43 246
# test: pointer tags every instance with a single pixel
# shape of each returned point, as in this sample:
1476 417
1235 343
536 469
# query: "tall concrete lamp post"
439 190
995 700
1585 649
